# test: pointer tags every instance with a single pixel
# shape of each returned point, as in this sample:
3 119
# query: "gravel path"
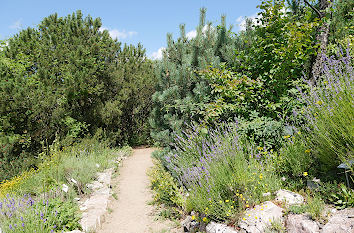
131 212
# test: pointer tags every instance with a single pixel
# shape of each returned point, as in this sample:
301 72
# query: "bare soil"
131 212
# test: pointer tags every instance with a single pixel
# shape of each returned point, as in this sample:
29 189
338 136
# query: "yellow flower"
298 134
220 202
260 148
319 102
243 218
247 206
308 151
205 219
260 176
193 217
255 217
287 136
305 173
227 201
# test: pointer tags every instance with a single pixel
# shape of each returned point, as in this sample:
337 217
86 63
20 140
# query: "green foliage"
315 207
295 157
65 79
44 215
344 198
166 191
180 93
277 58
329 113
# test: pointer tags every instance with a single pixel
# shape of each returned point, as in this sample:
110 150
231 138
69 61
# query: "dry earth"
131 213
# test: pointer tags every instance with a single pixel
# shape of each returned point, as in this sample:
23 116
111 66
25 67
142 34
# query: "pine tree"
181 93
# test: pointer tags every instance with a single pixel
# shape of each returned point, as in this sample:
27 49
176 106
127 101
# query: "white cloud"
158 54
241 21
16 25
192 34
116 34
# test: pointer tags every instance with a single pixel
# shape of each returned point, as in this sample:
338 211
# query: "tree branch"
313 8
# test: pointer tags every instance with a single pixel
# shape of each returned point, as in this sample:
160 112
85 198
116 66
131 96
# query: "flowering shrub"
223 173
330 113
165 189
28 215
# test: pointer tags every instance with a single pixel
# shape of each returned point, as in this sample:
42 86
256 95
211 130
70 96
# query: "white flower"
283 178
97 165
65 188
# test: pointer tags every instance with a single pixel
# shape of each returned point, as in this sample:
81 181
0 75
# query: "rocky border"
259 218
95 206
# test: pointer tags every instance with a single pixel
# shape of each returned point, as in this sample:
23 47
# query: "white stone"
290 198
73 180
214 227
95 207
340 222
301 224
65 188
256 220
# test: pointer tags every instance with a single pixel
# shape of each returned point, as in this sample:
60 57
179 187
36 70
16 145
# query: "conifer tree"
181 93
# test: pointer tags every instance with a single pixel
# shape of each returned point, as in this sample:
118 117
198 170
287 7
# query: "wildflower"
243 218
308 151
305 173
319 102
227 201
260 148
247 206
260 176
205 219
298 134
193 217
287 136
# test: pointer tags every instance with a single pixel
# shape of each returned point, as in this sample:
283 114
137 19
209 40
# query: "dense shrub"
65 79
330 112
166 190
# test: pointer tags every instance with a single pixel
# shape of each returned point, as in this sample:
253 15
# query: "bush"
45 215
329 113
222 173
166 191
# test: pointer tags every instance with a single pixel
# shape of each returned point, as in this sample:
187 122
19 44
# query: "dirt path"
131 212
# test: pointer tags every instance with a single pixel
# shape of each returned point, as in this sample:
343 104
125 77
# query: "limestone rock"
190 225
301 224
95 207
340 222
257 219
214 227
290 198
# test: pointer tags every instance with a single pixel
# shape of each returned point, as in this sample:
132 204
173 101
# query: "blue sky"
132 21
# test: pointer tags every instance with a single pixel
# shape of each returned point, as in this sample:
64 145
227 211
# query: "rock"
214 227
257 219
340 222
290 198
75 231
95 207
266 194
301 224
190 225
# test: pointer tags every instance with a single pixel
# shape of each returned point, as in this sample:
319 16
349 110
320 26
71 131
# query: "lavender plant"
222 172
330 112
29 215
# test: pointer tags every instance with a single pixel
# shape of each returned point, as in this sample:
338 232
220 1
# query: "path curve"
131 212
